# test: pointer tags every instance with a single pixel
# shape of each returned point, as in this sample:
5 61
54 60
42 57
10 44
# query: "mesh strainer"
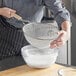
40 34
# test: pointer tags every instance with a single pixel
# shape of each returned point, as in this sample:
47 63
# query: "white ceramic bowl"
39 59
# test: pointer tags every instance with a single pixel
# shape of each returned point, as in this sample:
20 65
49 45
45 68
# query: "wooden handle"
16 16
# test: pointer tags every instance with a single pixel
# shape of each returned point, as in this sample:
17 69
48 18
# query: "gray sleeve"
0 3
60 12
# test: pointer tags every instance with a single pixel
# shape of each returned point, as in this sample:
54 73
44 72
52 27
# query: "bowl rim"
27 54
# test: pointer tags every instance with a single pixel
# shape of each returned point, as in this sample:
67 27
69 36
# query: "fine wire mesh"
38 30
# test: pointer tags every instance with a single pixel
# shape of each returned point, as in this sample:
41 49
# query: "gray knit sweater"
33 10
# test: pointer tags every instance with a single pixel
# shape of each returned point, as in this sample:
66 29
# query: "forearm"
66 26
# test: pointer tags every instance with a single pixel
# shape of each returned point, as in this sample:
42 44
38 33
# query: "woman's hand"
7 12
60 40
63 35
